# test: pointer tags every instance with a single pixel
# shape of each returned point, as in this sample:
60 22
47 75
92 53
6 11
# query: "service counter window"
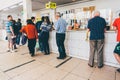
78 19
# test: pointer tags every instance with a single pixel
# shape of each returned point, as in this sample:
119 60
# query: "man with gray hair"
96 26
60 26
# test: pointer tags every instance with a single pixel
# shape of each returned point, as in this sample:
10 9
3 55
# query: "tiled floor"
44 67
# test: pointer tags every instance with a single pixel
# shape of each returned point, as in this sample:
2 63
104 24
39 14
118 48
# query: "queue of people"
39 32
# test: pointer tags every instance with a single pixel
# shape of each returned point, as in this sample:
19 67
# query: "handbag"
24 39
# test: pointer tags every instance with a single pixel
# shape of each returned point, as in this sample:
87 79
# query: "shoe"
12 51
100 66
46 54
32 55
15 48
8 50
118 70
61 58
90 65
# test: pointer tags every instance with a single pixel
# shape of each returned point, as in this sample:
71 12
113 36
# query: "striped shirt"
46 27
8 25
97 26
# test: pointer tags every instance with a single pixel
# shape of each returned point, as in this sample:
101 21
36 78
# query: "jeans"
18 39
45 38
60 38
31 46
40 44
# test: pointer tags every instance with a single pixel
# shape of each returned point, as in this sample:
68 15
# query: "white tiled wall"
76 46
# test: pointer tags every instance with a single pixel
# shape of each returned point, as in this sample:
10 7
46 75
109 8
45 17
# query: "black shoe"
61 57
32 55
90 65
118 70
100 66
47 54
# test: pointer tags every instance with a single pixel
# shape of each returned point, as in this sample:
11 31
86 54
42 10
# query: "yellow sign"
50 5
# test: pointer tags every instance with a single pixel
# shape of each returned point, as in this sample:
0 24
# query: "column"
27 10
52 14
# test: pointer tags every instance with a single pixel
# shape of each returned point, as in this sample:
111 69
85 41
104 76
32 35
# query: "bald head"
96 13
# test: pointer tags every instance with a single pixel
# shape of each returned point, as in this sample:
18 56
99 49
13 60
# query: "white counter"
76 46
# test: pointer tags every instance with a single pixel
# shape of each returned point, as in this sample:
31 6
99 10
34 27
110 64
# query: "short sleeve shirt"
8 25
97 26
117 25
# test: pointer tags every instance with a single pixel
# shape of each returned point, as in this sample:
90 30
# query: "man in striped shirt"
96 26
10 33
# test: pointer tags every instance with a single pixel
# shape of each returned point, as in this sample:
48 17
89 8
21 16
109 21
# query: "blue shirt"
60 25
8 25
97 28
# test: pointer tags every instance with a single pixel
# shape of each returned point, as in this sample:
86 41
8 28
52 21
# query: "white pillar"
27 10
52 14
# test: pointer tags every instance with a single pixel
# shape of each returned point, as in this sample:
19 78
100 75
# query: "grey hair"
58 14
96 12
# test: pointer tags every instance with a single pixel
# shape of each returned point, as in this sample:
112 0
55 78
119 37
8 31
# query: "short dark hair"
29 21
19 19
119 14
32 17
9 16
42 18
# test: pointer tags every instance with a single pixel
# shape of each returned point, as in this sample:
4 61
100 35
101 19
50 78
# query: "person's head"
42 19
57 15
33 19
13 21
75 21
19 20
96 13
29 21
9 17
119 14
46 19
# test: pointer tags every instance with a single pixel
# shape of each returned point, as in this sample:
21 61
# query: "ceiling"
40 4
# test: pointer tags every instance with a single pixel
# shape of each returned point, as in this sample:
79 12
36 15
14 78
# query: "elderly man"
116 25
60 27
96 26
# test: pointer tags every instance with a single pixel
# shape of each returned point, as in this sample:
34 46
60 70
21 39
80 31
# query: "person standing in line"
19 26
33 20
10 33
96 26
31 32
60 26
116 25
45 28
15 32
38 26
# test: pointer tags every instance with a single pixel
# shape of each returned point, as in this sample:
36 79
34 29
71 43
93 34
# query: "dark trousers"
96 46
18 39
31 46
60 38
45 38
40 44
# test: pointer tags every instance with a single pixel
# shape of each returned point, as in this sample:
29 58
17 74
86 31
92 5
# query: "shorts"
117 49
9 37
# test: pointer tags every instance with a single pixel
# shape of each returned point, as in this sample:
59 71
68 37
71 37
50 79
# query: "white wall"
114 5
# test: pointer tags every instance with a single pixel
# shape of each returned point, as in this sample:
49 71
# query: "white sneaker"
12 51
